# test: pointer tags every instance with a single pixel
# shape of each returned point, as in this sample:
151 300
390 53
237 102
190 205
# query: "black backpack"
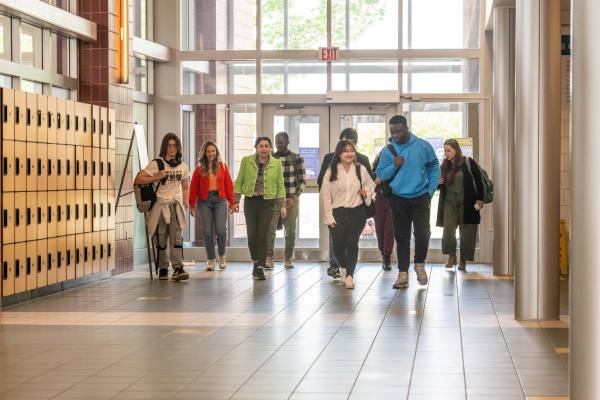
145 195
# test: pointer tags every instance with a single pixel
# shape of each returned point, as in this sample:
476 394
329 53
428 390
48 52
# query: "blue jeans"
213 215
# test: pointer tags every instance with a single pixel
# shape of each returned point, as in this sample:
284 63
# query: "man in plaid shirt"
294 179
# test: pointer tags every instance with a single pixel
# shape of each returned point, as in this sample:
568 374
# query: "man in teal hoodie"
411 168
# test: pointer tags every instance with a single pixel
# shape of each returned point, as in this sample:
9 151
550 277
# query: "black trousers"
409 212
350 223
258 213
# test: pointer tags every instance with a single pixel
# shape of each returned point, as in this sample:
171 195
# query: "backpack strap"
469 166
160 163
392 150
358 174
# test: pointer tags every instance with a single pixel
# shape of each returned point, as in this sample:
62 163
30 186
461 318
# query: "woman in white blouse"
345 196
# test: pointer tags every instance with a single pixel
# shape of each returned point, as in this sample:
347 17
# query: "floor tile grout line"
552 344
462 347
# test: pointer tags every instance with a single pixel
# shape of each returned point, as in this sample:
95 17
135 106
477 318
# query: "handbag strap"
358 174
393 151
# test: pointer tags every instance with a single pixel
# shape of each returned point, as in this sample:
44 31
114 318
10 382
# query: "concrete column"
585 263
504 136
537 159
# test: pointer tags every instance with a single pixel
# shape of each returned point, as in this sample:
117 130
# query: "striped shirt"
294 173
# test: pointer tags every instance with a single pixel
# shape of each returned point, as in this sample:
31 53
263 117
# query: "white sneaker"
343 274
269 263
210 265
222 263
349 282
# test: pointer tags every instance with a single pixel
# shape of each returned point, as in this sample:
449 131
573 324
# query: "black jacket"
471 193
361 158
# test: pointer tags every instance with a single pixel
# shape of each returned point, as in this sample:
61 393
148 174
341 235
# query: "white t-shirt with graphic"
171 189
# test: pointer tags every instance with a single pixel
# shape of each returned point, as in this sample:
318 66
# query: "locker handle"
59 167
76 122
110 129
49 262
49 167
101 168
68 121
85 254
85 167
68 257
58 120
39 167
109 249
94 211
109 168
85 124
101 210
49 214
59 213
94 168
17 268
17 166
5 165
28 166
28 116
59 259
39 263
5 112
109 209
102 127
17 217
94 252
85 211
28 217
68 212
39 118
77 167
28 267
77 256
76 211
68 167
5 218
17 115
101 250
49 119
94 126
4 271
39 215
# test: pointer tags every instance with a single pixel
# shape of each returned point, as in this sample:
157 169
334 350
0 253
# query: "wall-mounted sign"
329 53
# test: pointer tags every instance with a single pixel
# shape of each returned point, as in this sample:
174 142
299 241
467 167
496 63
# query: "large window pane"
456 24
365 75
5 81
294 77
293 24
141 75
218 77
440 76
60 54
140 18
218 25
5 37
303 131
31 87
31 46
365 24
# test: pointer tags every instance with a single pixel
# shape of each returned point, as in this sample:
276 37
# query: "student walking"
345 193
461 199
212 186
166 220
413 168
260 180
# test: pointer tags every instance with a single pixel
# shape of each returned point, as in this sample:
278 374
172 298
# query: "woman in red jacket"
212 186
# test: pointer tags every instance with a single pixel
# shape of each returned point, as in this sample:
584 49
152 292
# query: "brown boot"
451 261
462 266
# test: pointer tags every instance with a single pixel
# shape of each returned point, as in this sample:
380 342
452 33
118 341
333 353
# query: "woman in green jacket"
260 180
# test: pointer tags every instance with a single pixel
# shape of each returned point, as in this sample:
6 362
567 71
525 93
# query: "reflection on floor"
298 335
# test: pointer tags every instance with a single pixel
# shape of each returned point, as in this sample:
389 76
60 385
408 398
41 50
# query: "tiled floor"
298 335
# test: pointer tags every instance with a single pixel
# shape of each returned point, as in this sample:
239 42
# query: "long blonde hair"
203 161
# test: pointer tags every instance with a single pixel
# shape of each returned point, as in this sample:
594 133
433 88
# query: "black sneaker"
163 274
258 273
179 274
333 271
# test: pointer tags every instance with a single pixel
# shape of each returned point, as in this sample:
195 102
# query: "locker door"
70 257
96 168
95 126
96 263
61 163
61 259
77 129
31 216
88 211
96 210
31 167
42 217
103 169
103 127
110 170
51 167
70 122
70 212
86 113
89 263
31 117
103 215
20 267
20 217
51 214
111 250
51 261
79 159
31 264
61 213
70 167
61 121
41 118
8 218
8 166
8 270
79 255
111 129
110 211
20 115
8 114
20 166
87 168
104 251
51 116
79 218
40 262
42 163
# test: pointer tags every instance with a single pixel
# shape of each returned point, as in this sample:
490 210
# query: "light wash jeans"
213 214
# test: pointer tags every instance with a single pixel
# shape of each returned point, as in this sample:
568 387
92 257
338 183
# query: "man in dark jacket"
351 135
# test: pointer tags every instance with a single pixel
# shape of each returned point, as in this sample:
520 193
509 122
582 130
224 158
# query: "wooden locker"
96 168
61 167
77 126
110 170
31 216
79 163
111 250
42 163
87 168
96 260
8 114
51 117
88 211
8 166
103 127
20 166
61 258
51 167
20 115
70 167
61 213
70 257
79 255
41 118
88 260
70 122
31 117
52 201
103 217
97 199
111 129
51 263
103 169
42 217
86 113
61 121
104 251
8 270
79 205
8 218
31 167
40 262
20 217
31 264
20 267
96 126
70 212
110 212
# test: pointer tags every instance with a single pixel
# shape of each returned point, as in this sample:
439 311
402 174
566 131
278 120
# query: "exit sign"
329 53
